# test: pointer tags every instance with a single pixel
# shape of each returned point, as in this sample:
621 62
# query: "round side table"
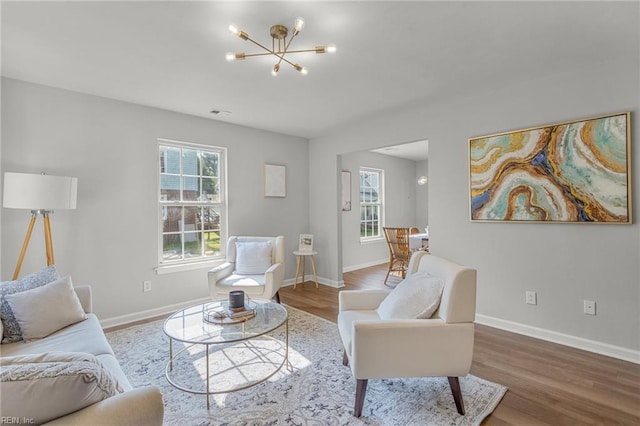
301 258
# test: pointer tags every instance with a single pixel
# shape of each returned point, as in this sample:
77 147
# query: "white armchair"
396 348
254 265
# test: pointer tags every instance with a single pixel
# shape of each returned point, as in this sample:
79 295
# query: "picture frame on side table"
305 244
572 172
275 180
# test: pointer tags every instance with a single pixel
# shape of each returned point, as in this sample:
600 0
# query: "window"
191 200
371 203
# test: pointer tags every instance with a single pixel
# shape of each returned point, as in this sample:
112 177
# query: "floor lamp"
42 194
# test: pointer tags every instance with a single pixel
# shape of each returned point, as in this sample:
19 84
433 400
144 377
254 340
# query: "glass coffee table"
221 356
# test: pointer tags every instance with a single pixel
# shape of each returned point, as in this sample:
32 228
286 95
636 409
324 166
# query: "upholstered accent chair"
254 265
441 345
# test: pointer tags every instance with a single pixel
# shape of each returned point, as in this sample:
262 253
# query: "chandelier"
279 46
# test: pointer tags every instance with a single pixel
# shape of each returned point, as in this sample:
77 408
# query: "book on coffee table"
221 313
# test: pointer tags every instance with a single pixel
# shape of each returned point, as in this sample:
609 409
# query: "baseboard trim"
321 280
601 348
149 313
169 309
365 265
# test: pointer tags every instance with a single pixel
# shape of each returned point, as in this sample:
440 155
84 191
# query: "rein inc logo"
5 420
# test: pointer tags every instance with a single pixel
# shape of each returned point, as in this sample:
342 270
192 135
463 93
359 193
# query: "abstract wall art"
576 171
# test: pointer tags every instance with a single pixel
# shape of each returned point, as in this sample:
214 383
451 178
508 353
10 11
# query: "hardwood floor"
549 384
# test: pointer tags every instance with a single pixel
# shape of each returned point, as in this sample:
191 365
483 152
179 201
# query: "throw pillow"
253 257
418 296
42 387
11 328
47 309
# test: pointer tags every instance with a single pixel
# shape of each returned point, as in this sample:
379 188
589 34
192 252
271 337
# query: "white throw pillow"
253 257
42 387
47 309
11 329
418 296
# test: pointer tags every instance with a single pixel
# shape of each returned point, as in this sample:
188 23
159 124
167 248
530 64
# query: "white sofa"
139 406
441 345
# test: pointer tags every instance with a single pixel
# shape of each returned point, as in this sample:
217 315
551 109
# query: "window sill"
181 267
371 241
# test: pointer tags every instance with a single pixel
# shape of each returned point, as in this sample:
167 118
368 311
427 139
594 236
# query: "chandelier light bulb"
331 48
274 71
234 29
230 56
304 71
298 24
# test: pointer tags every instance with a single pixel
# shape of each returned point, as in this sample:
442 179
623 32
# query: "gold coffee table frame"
189 326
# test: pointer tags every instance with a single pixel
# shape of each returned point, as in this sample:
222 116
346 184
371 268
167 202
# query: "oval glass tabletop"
190 325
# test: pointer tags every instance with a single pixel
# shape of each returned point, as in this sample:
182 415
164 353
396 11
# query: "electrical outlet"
146 286
530 297
589 307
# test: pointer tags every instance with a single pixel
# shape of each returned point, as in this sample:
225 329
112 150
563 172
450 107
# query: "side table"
301 258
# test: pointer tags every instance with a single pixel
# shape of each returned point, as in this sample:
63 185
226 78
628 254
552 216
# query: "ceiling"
416 151
170 54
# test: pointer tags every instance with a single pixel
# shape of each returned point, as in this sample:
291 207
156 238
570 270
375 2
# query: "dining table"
418 241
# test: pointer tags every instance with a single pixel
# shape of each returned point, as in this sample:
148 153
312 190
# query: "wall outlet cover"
589 307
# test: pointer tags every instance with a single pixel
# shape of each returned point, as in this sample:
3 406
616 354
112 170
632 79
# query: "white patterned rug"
316 390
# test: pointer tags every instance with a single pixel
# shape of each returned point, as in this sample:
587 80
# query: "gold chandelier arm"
316 50
270 52
295 33
263 47
278 54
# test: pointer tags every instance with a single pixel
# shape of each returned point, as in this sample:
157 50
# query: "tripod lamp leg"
24 246
48 240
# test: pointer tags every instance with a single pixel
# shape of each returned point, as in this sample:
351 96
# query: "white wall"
110 241
564 263
399 200
422 196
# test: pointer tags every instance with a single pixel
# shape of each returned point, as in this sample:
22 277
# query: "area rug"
315 389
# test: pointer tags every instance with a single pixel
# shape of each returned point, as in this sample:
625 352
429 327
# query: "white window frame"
166 266
380 203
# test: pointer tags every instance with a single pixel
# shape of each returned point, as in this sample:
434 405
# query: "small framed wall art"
275 180
572 172
346 191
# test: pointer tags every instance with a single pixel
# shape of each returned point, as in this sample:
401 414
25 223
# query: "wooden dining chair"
399 250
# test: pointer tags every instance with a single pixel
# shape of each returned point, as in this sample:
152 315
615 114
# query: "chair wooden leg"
345 358
454 383
387 277
277 296
361 389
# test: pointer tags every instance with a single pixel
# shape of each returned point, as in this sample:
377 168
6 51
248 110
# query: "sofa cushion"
42 387
417 296
253 257
44 310
84 336
11 328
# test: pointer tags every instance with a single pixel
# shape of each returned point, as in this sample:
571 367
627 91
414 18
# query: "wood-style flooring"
549 384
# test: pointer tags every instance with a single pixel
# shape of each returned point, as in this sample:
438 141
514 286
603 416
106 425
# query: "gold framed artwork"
275 180
571 172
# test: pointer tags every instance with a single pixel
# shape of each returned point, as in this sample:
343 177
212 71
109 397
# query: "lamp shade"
39 192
